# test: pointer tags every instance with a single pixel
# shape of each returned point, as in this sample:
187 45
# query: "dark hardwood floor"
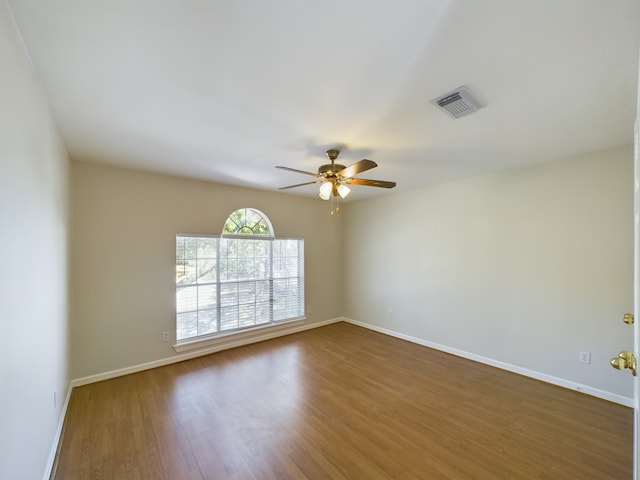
339 402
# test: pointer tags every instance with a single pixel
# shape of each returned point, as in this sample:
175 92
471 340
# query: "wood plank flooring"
339 402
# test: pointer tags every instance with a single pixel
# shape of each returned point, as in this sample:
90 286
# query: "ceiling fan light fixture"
333 178
343 190
325 190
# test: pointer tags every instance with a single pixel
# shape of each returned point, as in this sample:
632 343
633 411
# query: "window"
244 278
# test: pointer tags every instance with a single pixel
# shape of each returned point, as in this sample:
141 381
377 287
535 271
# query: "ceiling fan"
334 177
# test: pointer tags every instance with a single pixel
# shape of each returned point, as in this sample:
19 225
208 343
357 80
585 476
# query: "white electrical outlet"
584 357
165 336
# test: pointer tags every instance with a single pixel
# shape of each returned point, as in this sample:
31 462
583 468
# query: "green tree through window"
247 221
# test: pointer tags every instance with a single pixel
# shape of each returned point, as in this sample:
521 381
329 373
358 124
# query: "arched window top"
248 221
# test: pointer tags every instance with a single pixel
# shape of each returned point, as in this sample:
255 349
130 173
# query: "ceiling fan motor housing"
330 169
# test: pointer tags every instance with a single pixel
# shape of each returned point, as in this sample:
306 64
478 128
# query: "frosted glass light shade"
325 190
343 190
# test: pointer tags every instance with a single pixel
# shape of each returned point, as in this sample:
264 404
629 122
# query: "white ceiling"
226 90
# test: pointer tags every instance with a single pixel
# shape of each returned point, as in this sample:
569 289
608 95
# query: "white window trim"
240 337
242 236
236 336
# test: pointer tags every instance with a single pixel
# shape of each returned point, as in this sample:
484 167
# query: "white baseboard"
595 392
230 343
56 439
612 397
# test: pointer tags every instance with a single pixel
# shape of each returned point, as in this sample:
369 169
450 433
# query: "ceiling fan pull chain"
337 200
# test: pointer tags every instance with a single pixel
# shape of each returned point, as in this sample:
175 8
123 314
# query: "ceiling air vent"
457 103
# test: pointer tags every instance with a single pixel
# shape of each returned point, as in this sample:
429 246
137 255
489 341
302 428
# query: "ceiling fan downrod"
331 168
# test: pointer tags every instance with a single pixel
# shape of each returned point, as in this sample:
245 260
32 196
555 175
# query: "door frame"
636 281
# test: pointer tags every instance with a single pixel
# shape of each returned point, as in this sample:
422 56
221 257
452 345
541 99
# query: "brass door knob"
628 318
625 360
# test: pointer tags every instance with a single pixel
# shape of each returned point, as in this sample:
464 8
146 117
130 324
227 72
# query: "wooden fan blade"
299 171
300 185
356 168
370 183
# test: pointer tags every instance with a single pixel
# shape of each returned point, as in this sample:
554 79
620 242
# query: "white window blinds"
226 284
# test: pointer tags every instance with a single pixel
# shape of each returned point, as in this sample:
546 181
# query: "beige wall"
527 267
123 257
33 284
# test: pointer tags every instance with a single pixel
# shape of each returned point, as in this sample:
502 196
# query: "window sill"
236 339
